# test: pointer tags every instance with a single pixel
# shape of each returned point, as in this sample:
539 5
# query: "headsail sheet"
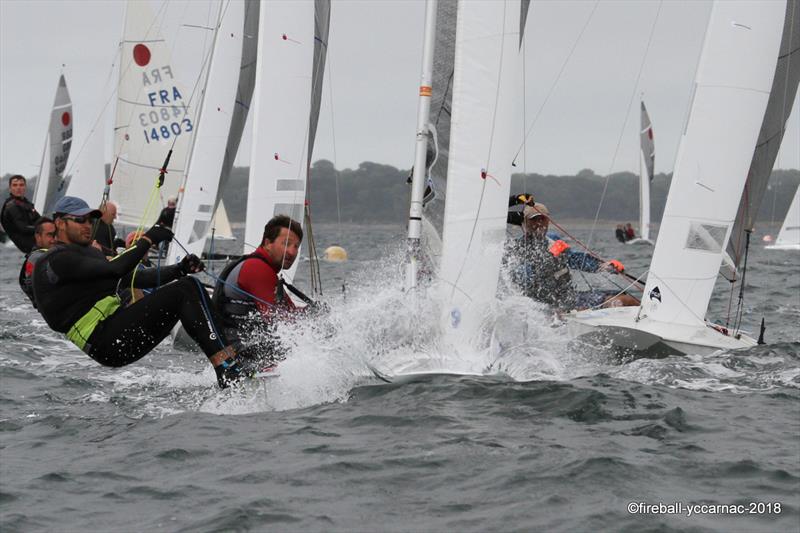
732 88
779 107
281 111
197 201
56 151
152 114
484 129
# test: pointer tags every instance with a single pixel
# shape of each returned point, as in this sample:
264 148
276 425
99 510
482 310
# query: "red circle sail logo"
65 118
141 54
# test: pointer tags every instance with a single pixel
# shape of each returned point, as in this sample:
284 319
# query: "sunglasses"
79 220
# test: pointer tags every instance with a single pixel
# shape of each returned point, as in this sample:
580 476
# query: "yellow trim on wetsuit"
81 330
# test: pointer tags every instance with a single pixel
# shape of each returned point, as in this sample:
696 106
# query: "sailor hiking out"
80 292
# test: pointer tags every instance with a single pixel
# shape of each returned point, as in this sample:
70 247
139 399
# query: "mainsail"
779 107
291 50
645 178
476 88
198 199
152 117
56 149
732 88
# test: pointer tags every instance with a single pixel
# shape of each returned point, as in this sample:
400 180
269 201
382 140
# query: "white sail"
485 95
779 108
732 88
789 237
221 225
152 114
57 146
88 177
281 108
197 201
645 178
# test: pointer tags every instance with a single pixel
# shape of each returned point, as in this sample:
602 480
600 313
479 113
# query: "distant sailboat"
789 237
741 55
471 83
646 173
56 150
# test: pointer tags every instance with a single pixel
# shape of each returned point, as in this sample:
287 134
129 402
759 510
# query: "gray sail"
647 143
244 92
322 21
779 107
441 105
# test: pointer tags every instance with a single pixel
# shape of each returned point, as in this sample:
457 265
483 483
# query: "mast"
421 149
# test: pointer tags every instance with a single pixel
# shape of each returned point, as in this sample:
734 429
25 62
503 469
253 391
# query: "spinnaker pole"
421 150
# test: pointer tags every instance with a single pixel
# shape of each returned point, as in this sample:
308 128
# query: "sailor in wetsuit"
44 234
78 293
250 296
540 266
18 214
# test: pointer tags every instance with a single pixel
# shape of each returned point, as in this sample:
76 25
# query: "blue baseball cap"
70 205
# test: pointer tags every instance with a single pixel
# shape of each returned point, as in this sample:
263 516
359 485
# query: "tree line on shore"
377 193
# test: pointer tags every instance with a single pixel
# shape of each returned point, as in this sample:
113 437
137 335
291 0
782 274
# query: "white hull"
783 247
647 242
616 327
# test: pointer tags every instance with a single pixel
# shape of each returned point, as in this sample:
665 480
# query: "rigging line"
503 38
625 121
335 156
558 78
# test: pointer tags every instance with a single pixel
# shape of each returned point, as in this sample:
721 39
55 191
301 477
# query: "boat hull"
617 328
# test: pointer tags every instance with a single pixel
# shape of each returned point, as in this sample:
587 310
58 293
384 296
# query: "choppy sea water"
565 439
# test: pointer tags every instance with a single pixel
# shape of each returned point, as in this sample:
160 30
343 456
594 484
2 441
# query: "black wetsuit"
167 217
106 236
26 273
18 217
70 281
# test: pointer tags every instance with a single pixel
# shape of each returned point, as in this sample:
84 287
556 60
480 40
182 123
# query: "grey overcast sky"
374 61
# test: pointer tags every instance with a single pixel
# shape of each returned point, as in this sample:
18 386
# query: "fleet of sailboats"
271 57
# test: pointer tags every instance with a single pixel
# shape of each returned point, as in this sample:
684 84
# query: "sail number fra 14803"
166 131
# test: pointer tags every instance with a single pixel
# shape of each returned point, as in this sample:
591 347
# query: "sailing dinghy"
56 150
646 173
737 78
789 236
466 138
